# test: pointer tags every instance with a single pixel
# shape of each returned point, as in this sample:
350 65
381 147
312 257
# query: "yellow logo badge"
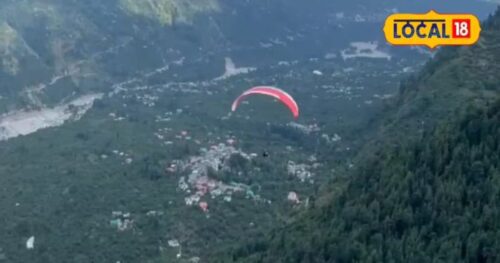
432 29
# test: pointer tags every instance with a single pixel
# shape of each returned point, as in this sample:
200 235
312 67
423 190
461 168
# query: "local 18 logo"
432 29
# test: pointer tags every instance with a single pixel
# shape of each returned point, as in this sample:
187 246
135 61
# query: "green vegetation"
161 10
78 44
70 186
68 180
436 199
453 78
166 12
420 193
8 37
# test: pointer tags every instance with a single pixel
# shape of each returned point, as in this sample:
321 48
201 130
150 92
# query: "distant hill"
428 190
51 50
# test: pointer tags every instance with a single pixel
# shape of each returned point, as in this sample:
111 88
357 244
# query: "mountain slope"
108 187
424 193
454 78
436 199
87 46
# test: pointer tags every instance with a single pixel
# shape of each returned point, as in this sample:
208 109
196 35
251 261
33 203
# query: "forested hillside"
118 142
427 193
455 77
434 200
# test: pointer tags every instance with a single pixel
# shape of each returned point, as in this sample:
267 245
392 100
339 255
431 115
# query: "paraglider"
279 94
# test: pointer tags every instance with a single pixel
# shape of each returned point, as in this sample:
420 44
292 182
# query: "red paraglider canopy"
279 94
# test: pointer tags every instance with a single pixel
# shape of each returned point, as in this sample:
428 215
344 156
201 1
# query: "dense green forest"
128 177
429 192
432 201
455 77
